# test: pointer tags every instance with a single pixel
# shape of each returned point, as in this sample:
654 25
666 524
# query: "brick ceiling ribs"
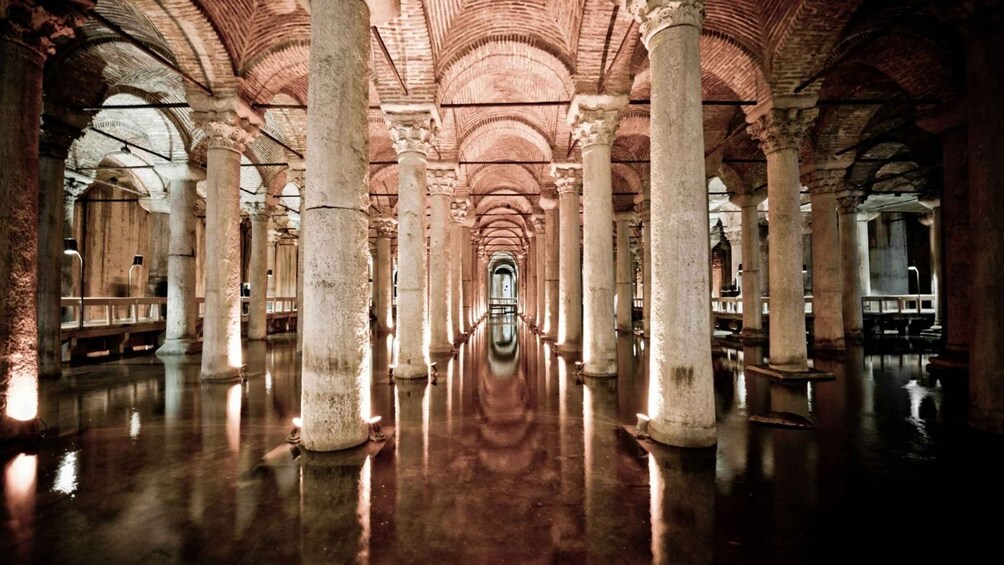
503 72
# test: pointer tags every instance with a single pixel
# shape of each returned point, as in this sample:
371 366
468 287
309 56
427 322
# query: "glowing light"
371 421
268 382
22 393
234 417
298 422
19 494
134 424
655 485
741 390
66 475
363 510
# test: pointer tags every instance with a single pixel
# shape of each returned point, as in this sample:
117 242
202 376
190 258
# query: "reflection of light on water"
426 408
268 382
741 389
655 509
66 475
22 394
19 493
134 425
363 511
808 396
234 417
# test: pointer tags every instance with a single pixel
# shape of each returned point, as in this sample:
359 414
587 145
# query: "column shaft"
336 375
850 261
383 279
456 281
570 276
441 184
827 294
625 278
752 294
467 289
50 261
258 277
551 257
182 309
411 279
864 271
541 228
646 270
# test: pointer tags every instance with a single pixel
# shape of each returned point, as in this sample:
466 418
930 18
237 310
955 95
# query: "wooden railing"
734 305
899 304
104 311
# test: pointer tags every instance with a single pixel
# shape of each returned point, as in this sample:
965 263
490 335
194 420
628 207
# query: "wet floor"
505 459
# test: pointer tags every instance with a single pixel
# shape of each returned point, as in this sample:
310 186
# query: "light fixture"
70 248
376 433
641 426
294 434
126 150
137 261
269 273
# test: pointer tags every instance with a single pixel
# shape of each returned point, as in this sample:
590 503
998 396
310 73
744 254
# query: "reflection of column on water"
682 486
757 389
382 397
284 372
20 477
335 490
599 423
794 491
570 450
412 448
626 364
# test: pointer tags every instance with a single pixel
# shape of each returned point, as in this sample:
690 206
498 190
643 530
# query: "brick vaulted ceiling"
464 54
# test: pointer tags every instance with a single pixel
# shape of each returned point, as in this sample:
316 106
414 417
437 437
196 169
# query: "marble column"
297 174
258 276
779 125
548 202
55 142
442 182
458 215
181 331
568 180
850 263
335 396
750 289
229 125
735 239
467 259
864 269
933 223
625 272
985 88
644 205
594 121
412 130
28 29
681 402
540 228
827 281
383 275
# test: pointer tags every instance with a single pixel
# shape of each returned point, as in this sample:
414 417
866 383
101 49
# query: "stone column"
458 215
933 223
383 275
56 139
335 397
27 31
735 239
540 228
182 336
272 272
467 258
594 121
827 282
230 125
625 272
850 262
412 130
549 203
864 269
750 289
644 205
568 179
442 181
297 174
258 276
779 125
985 87
681 402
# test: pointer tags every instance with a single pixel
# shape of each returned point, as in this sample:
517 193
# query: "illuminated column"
442 181
531 279
681 396
467 258
383 274
549 203
568 179
933 223
625 272
412 130
644 205
258 275
541 229
850 263
779 125
827 284
182 336
594 121
335 397
229 125
458 215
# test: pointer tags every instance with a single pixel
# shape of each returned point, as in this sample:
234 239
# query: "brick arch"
801 37
177 124
504 67
839 127
384 183
527 139
628 175
488 177
275 68
732 179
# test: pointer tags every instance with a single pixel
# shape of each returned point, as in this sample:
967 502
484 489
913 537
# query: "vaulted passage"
484 281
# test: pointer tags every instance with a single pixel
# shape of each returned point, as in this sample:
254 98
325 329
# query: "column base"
789 376
175 347
226 376
20 431
442 350
854 337
783 420
546 337
600 370
411 372
829 345
752 336
679 434
986 420
568 347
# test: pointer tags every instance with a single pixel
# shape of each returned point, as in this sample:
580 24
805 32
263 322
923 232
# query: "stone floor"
505 459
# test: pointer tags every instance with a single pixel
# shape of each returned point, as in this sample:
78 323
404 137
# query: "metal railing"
106 311
899 304
734 305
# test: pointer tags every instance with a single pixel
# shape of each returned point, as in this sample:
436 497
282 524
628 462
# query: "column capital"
296 173
37 24
781 122
413 127
442 178
57 137
643 207
384 226
657 15
548 198
745 199
259 211
228 122
734 236
626 216
595 118
538 224
824 181
459 210
567 177
930 202
848 201
181 172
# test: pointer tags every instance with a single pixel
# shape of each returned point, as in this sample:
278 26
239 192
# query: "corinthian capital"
594 119
848 201
824 181
782 123
442 178
228 122
657 15
413 127
385 227
459 210
37 24
567 177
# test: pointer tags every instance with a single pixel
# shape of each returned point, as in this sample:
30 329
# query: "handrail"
136 310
